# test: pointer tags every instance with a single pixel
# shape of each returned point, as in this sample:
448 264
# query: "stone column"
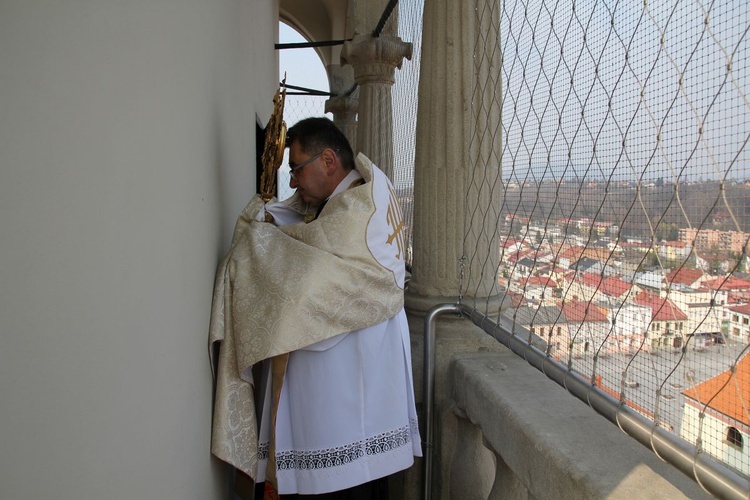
472 468
457 191
344 109
343 106
375 61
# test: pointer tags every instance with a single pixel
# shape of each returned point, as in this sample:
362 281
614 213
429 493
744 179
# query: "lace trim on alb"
340 455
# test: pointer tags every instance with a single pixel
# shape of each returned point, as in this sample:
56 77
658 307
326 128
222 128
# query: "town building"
712 239
687 276
629 325
667 329
673 250
716 410
547 327
738 323
538 290
589 329
704 315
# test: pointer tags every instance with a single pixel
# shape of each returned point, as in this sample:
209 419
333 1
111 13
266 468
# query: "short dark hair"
315 134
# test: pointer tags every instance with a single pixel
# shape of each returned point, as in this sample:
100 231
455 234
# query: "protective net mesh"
623 199
624 211
296 108
405 100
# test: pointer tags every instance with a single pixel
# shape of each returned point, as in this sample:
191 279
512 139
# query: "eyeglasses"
295 168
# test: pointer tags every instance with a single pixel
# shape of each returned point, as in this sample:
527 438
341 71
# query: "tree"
667 231
674 232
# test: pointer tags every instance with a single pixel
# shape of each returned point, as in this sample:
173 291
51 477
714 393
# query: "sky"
651 82
303 68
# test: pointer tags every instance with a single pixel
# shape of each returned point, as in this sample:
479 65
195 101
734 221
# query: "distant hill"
702 204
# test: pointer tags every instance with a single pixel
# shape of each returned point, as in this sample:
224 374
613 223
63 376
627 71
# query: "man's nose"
293 183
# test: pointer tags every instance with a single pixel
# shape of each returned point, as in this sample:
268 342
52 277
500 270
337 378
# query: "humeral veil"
283 288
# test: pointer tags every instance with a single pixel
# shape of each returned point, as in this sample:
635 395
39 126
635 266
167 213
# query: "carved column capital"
344 106
344 109
375 59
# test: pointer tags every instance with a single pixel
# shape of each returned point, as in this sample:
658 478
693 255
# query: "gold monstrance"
273 150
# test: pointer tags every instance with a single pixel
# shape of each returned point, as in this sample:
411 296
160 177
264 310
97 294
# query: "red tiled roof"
576 311
662 309
742 309
614 286
571 253
685 276
543 254
516 299
569 276
591 279
538 280
707 255
730 283
516 256
548 282
726 392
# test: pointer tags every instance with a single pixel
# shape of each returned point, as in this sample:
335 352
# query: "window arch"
734 437
302 67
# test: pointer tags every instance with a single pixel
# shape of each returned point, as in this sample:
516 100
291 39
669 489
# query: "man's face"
310 180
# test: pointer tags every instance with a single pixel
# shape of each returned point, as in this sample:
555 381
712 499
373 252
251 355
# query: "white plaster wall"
714 433
126 152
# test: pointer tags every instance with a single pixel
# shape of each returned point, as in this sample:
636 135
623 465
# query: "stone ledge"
554 444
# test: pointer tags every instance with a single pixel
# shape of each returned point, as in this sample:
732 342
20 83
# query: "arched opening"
303 68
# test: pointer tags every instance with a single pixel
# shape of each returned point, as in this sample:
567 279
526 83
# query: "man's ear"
331 162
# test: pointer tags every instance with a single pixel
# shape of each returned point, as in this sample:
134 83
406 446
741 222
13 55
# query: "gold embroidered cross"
396 222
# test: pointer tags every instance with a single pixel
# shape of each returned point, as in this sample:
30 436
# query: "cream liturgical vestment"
329 292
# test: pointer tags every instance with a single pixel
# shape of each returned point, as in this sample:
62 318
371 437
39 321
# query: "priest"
312 289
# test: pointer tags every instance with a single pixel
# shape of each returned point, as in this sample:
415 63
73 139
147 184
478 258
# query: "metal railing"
712 475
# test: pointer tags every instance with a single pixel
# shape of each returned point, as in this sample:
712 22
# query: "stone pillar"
344 109
343 106
457 193
507 485
375 61
472 471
